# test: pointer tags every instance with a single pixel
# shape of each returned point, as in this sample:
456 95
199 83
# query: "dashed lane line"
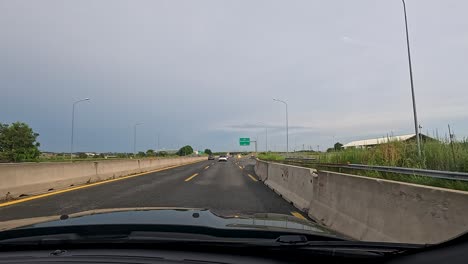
252 177
191 177
298 215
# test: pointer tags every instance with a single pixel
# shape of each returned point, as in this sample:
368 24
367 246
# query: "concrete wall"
292 183
34 178
371 209
261 169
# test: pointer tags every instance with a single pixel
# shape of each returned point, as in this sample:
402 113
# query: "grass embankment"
270 156
436 155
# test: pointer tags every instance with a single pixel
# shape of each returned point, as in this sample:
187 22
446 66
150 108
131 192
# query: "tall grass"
270 156
436 155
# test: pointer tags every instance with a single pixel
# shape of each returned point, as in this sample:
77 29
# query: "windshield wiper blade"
41 239
347 247
283 242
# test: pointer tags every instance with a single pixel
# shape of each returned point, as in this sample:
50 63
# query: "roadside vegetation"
441 154
436 155
270 156
65 157
18 143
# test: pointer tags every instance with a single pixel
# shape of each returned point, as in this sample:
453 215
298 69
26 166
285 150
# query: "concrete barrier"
372 209
33 178
261 169
293 183
382 210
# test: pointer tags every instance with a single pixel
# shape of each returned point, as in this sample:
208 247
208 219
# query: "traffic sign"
244 141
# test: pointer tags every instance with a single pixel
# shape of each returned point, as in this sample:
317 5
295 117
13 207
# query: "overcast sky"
205 72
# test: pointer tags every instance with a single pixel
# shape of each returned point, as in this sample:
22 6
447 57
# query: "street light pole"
287 128
411 81
73 126
135 136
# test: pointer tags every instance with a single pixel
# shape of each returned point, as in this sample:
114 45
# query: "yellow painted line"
298 215
191 177
88 185
207 167
252 177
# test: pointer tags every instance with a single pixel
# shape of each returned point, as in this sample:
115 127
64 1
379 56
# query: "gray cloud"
201 72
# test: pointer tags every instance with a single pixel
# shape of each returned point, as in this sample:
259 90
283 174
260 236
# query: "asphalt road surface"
223 187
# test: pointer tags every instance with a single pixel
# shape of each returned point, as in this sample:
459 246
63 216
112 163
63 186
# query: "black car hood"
175 217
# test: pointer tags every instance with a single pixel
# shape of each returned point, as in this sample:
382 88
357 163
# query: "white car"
222 158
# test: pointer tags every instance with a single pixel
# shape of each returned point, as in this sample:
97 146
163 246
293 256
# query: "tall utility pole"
287 132
73 126
416 130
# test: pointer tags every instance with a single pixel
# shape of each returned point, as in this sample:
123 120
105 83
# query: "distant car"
211 157
222 158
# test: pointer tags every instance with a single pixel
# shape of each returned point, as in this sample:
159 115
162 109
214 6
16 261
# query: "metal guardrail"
299 159
450 175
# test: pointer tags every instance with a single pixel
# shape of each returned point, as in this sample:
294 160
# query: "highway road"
226 188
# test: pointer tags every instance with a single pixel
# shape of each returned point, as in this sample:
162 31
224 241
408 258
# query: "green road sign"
244 141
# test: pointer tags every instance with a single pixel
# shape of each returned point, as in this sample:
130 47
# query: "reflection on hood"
170 216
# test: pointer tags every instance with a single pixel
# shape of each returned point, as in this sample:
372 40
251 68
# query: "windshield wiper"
349 248
155 238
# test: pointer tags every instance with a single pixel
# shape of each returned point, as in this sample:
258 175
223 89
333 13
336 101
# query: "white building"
367 143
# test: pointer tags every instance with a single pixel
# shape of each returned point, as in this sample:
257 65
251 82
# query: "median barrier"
292 183
382 210
372 209
34 178
261 169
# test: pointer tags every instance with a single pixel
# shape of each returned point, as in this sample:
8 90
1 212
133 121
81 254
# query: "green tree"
141 154
122 155
162 154
338 146
208 151
150 153
185 150
82 155
18 142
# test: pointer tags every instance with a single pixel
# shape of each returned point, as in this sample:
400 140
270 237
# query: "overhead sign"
244 141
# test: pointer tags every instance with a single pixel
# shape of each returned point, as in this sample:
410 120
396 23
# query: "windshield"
338 118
